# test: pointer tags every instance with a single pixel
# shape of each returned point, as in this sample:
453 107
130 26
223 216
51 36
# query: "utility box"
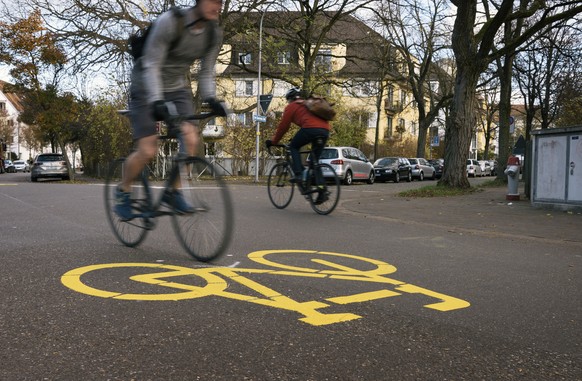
557 168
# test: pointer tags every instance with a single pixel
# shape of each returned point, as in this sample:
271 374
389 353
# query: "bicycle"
205 233
322 197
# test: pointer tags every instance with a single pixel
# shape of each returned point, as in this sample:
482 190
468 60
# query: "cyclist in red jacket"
312 126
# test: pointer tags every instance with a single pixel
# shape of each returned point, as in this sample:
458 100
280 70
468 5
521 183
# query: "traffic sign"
260 118
265 101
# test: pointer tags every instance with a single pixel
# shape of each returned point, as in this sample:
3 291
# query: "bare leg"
191 140
136 161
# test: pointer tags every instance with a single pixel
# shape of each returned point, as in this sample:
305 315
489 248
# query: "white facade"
15 143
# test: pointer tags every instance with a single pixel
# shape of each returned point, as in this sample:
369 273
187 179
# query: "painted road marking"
322 265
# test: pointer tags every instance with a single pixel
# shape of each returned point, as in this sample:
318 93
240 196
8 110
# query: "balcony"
392 107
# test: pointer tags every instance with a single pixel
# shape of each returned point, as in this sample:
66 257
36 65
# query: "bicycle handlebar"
276 145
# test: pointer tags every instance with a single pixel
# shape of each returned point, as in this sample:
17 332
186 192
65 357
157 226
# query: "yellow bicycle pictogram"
182 283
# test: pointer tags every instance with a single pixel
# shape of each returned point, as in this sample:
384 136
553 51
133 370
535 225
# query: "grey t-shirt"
165 64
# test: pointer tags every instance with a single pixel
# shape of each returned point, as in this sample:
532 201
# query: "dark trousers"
303 137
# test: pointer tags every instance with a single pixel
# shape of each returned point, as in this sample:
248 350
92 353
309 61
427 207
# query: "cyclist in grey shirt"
160 79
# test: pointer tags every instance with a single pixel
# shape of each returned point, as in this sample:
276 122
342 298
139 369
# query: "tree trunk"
459 129
423 126
504 114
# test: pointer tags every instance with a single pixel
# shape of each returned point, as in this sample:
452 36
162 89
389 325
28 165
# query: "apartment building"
353 65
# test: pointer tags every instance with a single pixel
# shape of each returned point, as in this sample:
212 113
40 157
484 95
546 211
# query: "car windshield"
50 158
386 161
412 161
19 162
329 153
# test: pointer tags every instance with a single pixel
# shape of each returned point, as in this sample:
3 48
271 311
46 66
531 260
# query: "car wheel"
397 177
421 176
409 178
348 180
33 179
372 178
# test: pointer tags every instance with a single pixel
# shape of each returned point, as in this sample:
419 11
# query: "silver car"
473 168
49 165
349 163
421 169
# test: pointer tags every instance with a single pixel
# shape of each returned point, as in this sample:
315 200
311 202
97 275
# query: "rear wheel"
279 185
409 177
205 234
325 198
349 179
129 232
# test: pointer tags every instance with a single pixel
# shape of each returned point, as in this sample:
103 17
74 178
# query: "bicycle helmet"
293 93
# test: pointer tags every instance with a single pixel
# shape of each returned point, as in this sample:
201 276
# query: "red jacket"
297 113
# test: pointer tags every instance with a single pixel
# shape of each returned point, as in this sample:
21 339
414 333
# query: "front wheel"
206 232
129 232
372 178
326 196
279 185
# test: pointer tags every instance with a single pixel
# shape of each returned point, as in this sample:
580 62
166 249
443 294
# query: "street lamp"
259 91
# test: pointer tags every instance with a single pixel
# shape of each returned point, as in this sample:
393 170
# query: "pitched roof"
362 42
13 98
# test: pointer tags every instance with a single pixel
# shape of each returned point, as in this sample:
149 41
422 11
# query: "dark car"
9 166
438 165
49 165
393 169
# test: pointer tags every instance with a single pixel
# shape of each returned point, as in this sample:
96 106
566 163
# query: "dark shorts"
141 117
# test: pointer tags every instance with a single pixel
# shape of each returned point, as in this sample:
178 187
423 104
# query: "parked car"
393 169
485 167
439 166
421 169
9 166
493 164
349 163
473 168
21 166
49 165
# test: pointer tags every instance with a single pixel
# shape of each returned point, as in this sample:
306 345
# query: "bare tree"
95 33
475 47
540 71
419 32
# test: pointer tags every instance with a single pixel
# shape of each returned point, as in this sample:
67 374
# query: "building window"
403 98
413 129
246 119
323 60
389 128
401 129
244 58
372 119
2 106
390 95
361 88
284 58
246 88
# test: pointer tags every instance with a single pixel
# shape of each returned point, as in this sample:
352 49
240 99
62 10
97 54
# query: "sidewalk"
486 212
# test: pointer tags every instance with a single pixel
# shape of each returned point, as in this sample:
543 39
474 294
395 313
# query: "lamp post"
259 91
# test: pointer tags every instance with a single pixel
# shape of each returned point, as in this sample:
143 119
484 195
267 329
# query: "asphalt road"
298 296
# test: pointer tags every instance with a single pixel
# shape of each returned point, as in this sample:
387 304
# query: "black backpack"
136 42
